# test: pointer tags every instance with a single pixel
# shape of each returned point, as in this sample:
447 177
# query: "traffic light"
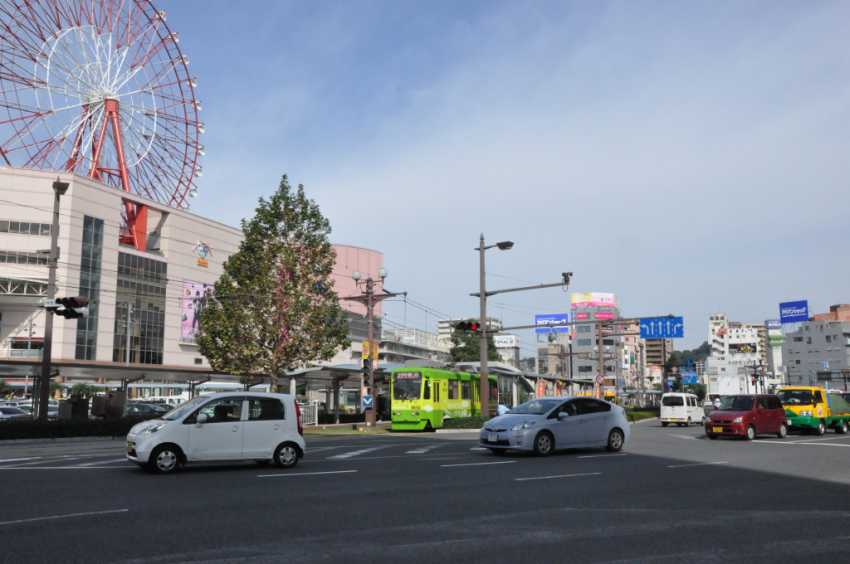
367 373
74 307
466 326
753 380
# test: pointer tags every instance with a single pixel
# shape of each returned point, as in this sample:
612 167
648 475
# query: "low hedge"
66 428
476 422
640 414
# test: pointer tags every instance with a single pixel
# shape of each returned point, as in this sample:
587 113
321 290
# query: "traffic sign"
600 379
662 328
50 303
689 363
689 376
674 369
367 401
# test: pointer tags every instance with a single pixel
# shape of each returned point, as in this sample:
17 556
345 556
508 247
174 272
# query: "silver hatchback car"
547 424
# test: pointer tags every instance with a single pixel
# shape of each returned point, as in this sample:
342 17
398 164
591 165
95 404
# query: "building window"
142 284
25 228
16 257
90 262
583 329
585 369
583 342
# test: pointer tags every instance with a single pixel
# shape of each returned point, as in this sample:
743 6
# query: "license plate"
492 437
129 447
717 429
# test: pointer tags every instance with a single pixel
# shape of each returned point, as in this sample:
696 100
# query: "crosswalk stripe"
357 452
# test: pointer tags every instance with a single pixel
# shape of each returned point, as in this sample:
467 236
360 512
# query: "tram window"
453 390
426 393
436 390
464 390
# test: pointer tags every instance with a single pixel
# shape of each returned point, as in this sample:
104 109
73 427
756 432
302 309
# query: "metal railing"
21 353
309 415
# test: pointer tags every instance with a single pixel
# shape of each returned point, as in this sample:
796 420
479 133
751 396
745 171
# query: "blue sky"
690 157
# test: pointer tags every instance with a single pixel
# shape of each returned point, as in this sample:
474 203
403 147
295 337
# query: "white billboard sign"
505 341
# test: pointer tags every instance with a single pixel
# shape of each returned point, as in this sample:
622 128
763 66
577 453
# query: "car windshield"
673 401
795 397
184 409
536 407
406 389
737 403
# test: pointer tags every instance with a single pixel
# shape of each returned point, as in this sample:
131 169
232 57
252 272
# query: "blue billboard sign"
773 324
550 319
662 328
793 312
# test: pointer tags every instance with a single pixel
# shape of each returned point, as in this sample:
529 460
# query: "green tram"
423 398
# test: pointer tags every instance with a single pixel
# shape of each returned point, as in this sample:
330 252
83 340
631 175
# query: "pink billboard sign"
581 316
593 299
195 295
600 315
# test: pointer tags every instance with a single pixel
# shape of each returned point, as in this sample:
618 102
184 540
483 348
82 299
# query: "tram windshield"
407 386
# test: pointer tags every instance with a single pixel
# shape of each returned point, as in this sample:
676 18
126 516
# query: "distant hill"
699 353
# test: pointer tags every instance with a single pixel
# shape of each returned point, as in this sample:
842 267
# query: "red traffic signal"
71 303
466 326
75 307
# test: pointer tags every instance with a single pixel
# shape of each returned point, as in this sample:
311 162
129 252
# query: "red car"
747 416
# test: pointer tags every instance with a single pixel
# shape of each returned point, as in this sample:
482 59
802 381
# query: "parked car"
221 427
747 416
10 413
681 409
144 409
553 423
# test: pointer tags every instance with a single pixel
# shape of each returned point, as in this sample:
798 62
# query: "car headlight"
806 413
152 429
523 426
737 420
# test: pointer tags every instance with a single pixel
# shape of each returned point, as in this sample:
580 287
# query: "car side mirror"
562 416
202 418
760 409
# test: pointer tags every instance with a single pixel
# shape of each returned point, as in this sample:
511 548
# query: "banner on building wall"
541 388
504 341
831 316
593 299
549 319
195 295
794 312
743 348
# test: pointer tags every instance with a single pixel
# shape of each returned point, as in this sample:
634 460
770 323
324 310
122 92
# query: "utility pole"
59 189
369 299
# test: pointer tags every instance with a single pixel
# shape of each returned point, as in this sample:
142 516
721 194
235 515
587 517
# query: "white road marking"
443 458
63 516
478 448
355 453
826 439
561 476
477 464
101 462
19 459
685 437
62 459
63 467
423 450
304 474
697 464
601 455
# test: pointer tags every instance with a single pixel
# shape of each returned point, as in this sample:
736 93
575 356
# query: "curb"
458 430
643 420
59 440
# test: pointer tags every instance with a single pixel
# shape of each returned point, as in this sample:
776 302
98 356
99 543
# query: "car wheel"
498 451
164 459
783 431
544 444
751 433
664 423
713 437
615 440
286 456
689 422
841 429
703 420
821 430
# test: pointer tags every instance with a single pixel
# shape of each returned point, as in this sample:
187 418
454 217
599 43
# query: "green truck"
812 410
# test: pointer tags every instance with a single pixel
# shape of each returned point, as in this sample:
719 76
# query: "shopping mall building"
160 289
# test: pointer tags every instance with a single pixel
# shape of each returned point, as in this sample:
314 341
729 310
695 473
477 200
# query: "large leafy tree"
274 309
466 347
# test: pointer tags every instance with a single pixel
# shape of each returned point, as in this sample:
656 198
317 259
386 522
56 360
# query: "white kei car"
221 427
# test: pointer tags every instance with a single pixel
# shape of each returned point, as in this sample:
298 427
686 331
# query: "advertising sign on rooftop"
593 299
793 312
773 324
551 319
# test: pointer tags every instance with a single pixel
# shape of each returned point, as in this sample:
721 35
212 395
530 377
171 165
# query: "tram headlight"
414 413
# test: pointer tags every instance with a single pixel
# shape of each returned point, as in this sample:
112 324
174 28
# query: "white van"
218 427
681 409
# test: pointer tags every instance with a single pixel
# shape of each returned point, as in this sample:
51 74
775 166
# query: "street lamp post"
59 189
369 299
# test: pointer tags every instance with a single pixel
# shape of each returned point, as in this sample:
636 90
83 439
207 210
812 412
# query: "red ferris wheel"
100 88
